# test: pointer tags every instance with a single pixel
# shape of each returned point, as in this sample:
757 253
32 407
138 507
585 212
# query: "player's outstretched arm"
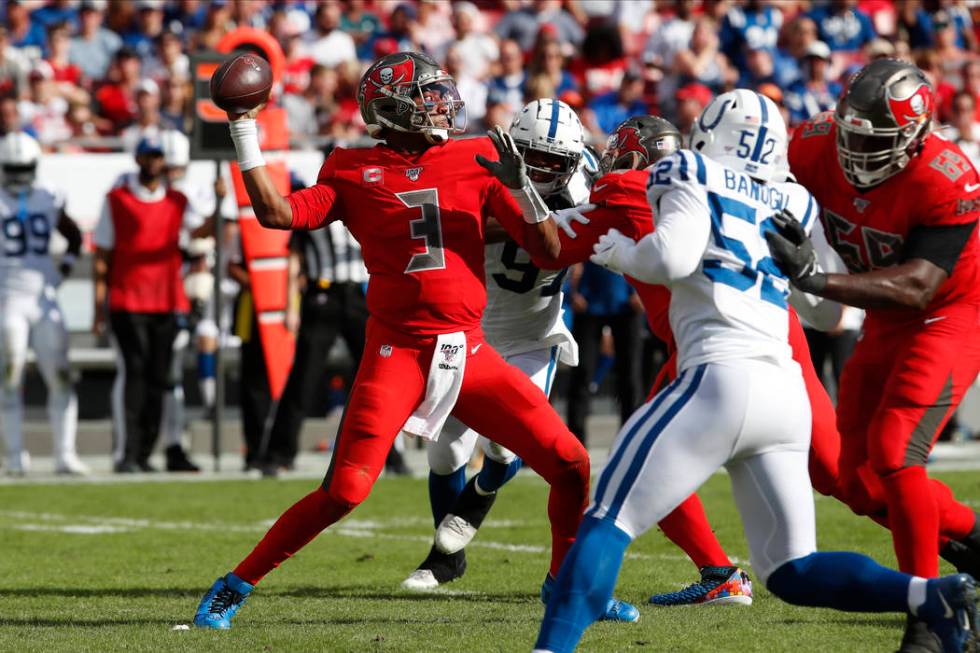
68 228
271 209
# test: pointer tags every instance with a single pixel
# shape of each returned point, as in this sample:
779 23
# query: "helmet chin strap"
436 136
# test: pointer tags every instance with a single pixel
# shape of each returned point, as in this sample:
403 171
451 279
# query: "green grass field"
88 567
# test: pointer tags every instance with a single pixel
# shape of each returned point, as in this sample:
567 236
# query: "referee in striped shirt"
326 270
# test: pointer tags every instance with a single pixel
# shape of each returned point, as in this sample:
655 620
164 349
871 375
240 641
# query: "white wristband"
532 206
245 135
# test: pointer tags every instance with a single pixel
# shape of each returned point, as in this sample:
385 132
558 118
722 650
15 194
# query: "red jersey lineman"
418 205
900 206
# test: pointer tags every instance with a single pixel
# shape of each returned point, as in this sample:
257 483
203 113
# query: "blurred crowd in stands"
75 72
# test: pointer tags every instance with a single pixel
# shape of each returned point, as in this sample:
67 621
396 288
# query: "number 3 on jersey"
743 275
426 227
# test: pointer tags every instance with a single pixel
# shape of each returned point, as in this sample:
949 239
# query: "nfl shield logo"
373 175
385 351
413 173
860 204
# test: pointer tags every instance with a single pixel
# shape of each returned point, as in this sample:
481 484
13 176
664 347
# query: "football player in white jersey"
29 311
739 399
523 322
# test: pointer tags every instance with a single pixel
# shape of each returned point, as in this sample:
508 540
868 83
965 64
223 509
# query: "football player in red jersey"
418 204
618 201
900 206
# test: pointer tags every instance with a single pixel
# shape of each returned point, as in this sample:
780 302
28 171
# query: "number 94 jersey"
27 221
734 304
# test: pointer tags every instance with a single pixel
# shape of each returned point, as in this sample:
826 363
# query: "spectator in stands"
10 116
970 81
472 91
67 76
25 34
185 15
499 112
174 104
509 83
775 94
964 129
600 68
547 61
434 28
607 111
117 98
798 35
139 295
82 122
749 26
880 49
477 50
959 13
703 61
672 36
147 124
691 99
13 67
950 54
56 11
759 69
842 26
524 23
168 59
308 111
331 46
362 25
216 22
400 36
251 13
93 48
914 24
813 93
44 109
603 299
930 63
147 28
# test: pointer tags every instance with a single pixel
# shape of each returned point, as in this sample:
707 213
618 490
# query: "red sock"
955 519
291 532
687 527
914 520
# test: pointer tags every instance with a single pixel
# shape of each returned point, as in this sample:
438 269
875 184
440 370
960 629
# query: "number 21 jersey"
27 221
420 221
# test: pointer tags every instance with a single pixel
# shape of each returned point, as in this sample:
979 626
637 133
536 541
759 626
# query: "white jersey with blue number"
27 221
523 310
735 303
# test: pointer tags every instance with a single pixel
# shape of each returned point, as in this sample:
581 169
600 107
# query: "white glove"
565 217
614 251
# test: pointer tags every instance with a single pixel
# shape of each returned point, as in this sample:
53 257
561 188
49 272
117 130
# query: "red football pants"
688 527
496 399
897 391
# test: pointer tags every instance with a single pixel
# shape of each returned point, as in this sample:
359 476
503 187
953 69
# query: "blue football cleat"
718 586
221 602
950 612
616 610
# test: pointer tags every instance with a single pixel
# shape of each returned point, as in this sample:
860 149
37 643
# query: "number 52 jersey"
27 221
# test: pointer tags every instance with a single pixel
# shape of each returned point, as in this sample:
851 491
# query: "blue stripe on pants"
621 450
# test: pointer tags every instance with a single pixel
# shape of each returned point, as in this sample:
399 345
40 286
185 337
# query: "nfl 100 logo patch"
449 354
413 173
385 351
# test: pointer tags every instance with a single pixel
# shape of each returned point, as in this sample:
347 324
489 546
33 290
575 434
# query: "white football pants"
750 416
456 442
36 322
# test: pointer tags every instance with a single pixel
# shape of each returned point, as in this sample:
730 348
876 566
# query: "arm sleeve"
319 204
104 235
502 206
675 249
941 245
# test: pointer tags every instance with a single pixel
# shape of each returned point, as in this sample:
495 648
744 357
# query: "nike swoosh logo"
475 349
948 611
596 189
930 320
971 187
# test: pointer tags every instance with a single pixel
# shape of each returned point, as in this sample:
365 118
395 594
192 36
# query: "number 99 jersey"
26 224
734 305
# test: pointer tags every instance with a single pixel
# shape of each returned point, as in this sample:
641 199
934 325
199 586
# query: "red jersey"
621 203
869 229
420 220
145 275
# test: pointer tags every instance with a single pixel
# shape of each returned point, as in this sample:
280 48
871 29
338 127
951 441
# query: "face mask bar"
436 100
18 178
870 155
548 180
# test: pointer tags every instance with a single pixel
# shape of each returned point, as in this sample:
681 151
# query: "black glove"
510 169
793 252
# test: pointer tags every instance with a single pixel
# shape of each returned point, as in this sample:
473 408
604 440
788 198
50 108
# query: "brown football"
241 83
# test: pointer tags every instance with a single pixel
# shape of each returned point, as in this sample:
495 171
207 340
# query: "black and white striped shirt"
330 254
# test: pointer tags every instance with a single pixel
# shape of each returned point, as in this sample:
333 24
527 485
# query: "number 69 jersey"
734 305
27 222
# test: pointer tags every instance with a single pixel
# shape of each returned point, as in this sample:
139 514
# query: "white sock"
917 594
207 390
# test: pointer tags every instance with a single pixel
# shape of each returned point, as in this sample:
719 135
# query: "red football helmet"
410 92
639 142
